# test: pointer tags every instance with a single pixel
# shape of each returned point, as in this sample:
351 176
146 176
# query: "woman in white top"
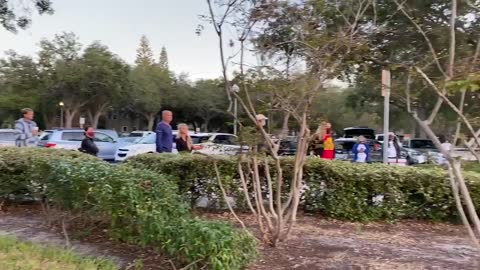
393 147
446 145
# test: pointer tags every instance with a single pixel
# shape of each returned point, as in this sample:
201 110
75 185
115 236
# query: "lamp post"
61 104
235 89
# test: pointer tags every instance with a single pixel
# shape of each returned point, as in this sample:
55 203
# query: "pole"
61 116
386 83
235 121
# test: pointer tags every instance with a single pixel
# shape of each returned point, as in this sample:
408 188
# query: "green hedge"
358 192
144 207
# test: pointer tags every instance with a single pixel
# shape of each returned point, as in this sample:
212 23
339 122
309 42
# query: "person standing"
88 145
394 149
183 141
446 145
26 130
328 143
164 139
361 151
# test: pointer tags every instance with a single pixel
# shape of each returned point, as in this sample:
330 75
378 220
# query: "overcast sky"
119 24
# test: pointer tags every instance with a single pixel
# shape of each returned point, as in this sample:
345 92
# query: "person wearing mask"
26 130
361 151
183 141
88 146
164 133
394 149
328 143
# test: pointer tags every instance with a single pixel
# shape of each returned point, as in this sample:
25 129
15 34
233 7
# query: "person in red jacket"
328 143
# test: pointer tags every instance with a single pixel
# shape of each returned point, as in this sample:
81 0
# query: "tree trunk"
206 124
284 131
69 116
151 121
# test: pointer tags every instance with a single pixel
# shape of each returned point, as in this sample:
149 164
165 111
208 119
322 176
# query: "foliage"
335 188
22 255
193 174
17 15
150 84
144 207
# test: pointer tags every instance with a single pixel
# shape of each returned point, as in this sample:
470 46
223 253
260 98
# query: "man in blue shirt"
164 133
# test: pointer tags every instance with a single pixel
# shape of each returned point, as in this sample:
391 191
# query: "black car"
288 147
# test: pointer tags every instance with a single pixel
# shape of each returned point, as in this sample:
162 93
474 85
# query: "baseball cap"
261 117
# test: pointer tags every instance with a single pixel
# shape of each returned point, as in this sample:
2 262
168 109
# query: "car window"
150 139
422 144
344 145
100 137
200 139
7 136
136 134
73 136
225 139
405 144
45 136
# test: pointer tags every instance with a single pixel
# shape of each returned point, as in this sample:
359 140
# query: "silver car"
71 139
7 137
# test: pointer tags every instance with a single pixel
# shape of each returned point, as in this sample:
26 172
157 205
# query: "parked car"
219 144
71 139
147 145
379 137
419 151
354 132
344 146
288 146
138 133
7 137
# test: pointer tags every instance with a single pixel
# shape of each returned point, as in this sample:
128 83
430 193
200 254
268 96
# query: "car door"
106 146
227 144
7 138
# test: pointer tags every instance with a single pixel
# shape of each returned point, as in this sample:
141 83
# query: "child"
361 151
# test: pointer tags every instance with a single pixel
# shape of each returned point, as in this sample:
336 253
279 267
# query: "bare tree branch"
427 40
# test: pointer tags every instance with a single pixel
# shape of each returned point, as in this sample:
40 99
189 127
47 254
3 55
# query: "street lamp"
61 104
235 89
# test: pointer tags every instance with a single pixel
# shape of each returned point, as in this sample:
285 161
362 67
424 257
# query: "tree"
106 77
16 14
447 70
62 73
150 84
208 101
327 35
163 61
20 84
144 53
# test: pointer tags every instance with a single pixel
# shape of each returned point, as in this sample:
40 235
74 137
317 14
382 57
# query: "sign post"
386 84
82 122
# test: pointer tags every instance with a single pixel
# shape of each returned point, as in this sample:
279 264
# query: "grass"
16 255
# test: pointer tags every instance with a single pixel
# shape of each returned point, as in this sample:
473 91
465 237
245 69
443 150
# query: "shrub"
358 192
144 207
194 174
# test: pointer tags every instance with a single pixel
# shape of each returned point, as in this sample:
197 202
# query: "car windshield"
200 139
422 144
128 139
150 139
136 134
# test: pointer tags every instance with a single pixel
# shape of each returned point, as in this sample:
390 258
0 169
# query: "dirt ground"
316 243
